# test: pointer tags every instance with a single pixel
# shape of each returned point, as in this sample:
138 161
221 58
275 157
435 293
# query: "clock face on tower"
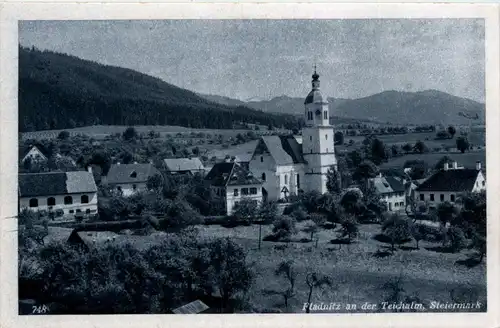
318 112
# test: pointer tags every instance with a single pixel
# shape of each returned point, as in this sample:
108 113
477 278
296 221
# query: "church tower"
317 138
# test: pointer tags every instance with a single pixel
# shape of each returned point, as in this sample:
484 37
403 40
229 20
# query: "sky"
248 59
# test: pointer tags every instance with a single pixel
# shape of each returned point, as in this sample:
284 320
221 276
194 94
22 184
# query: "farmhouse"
234 183
449 183
286 166
391 190
36 153
189 166
67 193
128 179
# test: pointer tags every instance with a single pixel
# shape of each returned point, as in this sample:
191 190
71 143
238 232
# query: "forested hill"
58 91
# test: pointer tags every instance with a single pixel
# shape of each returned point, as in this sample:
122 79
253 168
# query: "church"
288 165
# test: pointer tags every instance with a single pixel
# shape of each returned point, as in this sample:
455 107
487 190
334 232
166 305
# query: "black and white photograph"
252 166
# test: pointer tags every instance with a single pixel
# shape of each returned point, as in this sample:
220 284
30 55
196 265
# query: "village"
294 215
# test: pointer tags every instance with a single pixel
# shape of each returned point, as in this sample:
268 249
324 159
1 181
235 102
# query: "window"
134 186
452 198
78 211
326 136
33 202
85 199
310 138
244 191
422 197
325 115
261 159
71 211
235 192
327 150
51 201
68 200
402 204
432 197
253 191
441 197
119 188
298 181
483 183
263 177
286 179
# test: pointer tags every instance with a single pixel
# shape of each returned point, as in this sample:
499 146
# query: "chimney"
455 165
446 166
478 165
89 169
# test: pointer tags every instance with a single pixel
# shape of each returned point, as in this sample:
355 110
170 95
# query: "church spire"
315 79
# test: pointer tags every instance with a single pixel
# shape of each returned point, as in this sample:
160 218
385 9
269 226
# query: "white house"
391 190
287 164
34 153
129 178
68 193
234 183
449 183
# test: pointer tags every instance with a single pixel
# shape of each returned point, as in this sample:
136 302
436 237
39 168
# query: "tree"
338 138
130 134
417 232
418 168
349 226
311 228
284 227
287 270
395 150
155 182
457 239
333 181
315 280
63 135
446 213
378 151
462 144
366 170
397 229
245 210
451 130
351 201
229 269
440 135
420 147
407 148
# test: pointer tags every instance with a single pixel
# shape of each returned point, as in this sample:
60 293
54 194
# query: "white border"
11 12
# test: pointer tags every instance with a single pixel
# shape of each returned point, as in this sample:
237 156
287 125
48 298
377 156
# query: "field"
101 131
467 159
357 272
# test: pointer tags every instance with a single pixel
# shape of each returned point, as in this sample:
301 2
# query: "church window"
261 159
263 177
325 115
286 179
33 202
310 138
326 136
298 181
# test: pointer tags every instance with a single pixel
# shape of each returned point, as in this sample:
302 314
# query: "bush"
457 239
59 212
284 227
299 214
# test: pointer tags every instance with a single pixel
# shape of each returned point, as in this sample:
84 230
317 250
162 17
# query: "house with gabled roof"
190 166
233 183
36 153
66 194
392 191
447 184
128 179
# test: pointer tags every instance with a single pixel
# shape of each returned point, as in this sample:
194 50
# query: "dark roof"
395 183
284 149
315 97
450 180
130 173
233 174
56 183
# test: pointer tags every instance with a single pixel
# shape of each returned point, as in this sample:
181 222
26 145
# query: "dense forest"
59 91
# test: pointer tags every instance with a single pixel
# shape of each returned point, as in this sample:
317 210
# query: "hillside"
426 107
58 91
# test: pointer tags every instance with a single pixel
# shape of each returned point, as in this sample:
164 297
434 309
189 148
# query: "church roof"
315 97
284 149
